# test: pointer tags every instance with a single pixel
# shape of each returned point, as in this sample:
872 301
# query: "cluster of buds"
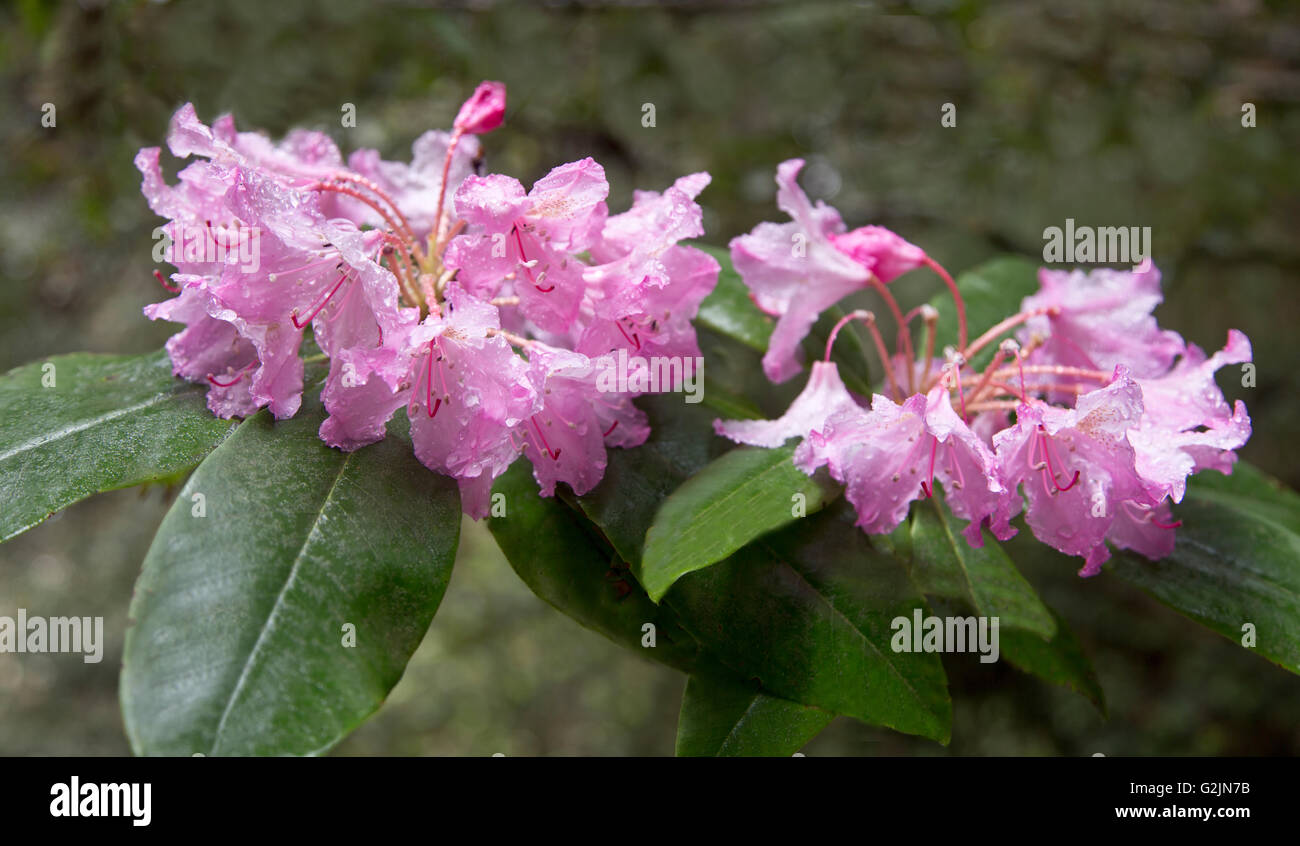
1094 415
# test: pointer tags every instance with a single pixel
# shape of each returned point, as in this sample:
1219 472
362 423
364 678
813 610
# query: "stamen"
631 339
429 405
931 317
1014 320
955 363
157 274
611 428
957 471
843 321
293 317
528 266
1050 470
401 228
956 297
870 319
928 489
349 176
1147 514
555 455
903 343
271 277
240 375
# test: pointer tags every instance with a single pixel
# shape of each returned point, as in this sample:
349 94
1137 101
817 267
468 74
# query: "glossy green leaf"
807 612
278 552
1236 564
638 480
561 558
992 292
1031 635
1060 660
736 498
80 424
729 310
722 717
944 564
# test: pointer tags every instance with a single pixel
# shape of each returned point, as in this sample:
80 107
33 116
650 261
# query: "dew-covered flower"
1111 412
426 286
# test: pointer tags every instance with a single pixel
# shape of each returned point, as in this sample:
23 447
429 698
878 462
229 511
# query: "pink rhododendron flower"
1112 413
427 286
797 270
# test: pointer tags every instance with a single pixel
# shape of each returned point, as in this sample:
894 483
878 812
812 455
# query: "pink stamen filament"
956 297
225 245
157 274
870 320
611 428
555 455
1051 471
523 260
1014 320
429 406
931 322
904 342
633 339
956 469
401 229
240 375
988 374
843 321
961 397
357 178
1054 370
325 300
1145 514
333 259
928 487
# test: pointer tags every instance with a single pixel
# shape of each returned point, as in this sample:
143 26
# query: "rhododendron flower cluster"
486 311
1090 420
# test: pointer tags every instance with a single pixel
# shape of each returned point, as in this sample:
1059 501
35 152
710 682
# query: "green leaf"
1031 636
723 717
944 564
1060 660
746 493
638 480
729 310
992 292
562 560
104 422
1236 562
807 612
241 615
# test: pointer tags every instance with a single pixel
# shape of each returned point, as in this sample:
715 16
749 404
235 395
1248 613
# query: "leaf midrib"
83 425
279 601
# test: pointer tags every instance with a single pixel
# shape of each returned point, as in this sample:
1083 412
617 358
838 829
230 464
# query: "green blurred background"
1114 113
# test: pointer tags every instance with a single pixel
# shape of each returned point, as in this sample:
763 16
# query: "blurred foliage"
1115 113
